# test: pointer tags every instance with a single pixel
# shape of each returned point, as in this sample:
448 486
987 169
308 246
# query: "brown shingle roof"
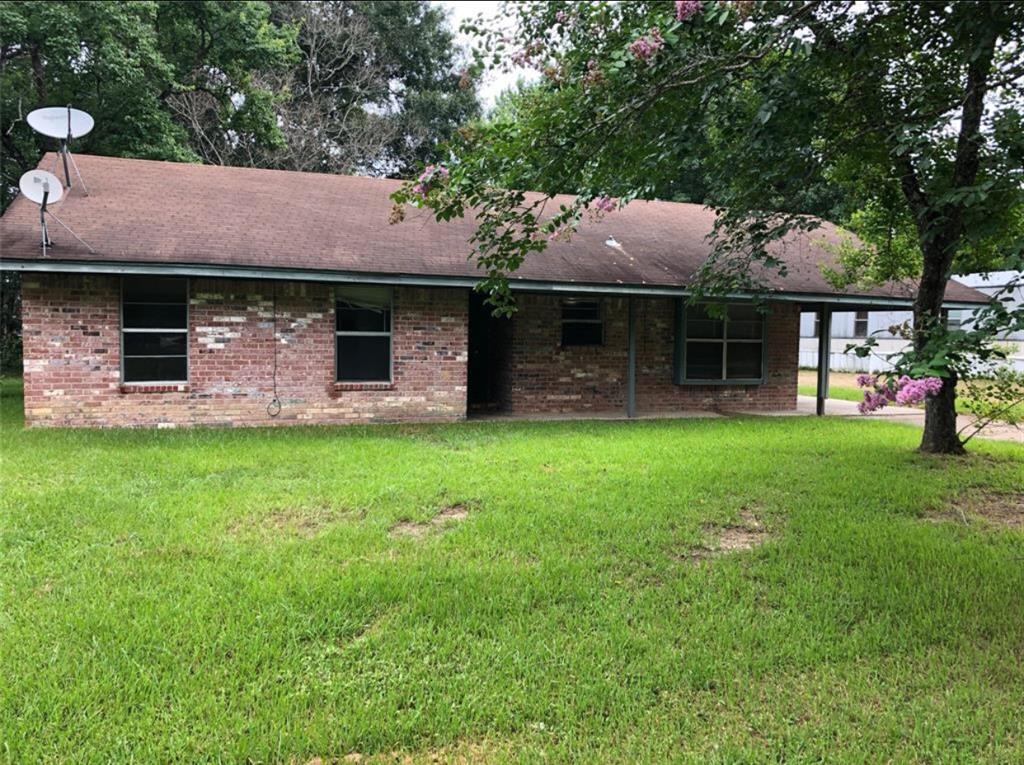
150 212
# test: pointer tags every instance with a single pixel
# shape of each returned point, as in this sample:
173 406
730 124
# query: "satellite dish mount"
45 188
64 124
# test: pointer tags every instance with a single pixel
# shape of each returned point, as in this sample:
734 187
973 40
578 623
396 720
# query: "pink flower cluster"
529 56
915 391
604 204
686 9
906 391
645 47
594 74
430 174
561 17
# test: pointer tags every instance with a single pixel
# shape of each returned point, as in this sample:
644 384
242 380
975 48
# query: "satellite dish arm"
42 219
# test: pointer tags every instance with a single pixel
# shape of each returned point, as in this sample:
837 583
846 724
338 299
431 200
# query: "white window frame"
157 330
865 321
339 294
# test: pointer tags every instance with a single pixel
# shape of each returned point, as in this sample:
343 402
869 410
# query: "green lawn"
834 391
236 596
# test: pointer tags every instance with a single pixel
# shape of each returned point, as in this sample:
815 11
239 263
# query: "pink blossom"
427 177
913 392
686 9
561 233
905 391
561 17
594 74
604 204
645 47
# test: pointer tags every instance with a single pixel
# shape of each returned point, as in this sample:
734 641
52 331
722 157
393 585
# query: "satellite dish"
41 186
64 124
61 122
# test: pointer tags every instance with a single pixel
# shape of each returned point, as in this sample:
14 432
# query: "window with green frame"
715 349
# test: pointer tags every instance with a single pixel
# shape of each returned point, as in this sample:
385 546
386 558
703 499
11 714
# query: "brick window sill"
142 388
353 386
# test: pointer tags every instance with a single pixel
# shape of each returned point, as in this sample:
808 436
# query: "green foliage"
428 94
124 63
236 596
998 396
902 119
776 113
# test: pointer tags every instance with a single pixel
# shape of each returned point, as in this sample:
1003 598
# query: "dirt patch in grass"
305 522
463 753
724 540
413 530
1001 509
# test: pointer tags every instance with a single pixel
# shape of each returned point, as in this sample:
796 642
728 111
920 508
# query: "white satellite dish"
42 187
64 124
61 122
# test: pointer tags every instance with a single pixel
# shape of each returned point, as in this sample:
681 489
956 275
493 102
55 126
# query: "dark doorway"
489 341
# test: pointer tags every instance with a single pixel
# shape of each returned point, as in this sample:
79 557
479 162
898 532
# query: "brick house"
232 296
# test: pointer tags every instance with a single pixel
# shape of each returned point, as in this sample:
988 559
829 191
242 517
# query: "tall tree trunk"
940 432
940 229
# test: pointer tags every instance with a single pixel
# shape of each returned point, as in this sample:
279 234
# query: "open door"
489 344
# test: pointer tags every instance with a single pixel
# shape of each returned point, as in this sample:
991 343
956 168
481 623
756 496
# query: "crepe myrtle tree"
788 110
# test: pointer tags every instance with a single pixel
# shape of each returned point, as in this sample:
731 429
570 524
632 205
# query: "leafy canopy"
778 114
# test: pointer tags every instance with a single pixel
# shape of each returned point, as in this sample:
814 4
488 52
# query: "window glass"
154 329
155 289
155 344
743 361
717 349
701 325
154 316
141 369
364 358
582 323
360 317
860 324
704 361
363 334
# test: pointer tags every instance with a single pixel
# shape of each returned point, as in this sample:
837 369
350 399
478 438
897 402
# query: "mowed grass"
237 596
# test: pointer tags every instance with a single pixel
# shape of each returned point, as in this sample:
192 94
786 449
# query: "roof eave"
850 302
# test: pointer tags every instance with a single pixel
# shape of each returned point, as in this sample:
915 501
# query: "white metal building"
849 328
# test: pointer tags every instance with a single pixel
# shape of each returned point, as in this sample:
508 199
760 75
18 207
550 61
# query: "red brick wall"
544 377
72 357
73 377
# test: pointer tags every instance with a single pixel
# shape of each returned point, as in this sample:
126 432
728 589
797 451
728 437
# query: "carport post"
824 353
631 361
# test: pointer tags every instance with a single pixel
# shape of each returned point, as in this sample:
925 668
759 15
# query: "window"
154 329
581 323
363 334
860 324
817 324
716 350
955 320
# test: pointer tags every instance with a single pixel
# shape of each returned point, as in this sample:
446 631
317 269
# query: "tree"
788 111
125 63
377 89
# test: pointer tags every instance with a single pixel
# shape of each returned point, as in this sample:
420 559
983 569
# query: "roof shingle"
141 211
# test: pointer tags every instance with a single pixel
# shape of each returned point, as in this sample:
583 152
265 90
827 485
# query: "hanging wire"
274 407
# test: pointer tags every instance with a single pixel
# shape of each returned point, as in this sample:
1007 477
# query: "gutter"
519 285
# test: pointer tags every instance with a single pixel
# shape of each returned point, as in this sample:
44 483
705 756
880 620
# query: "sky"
494 82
